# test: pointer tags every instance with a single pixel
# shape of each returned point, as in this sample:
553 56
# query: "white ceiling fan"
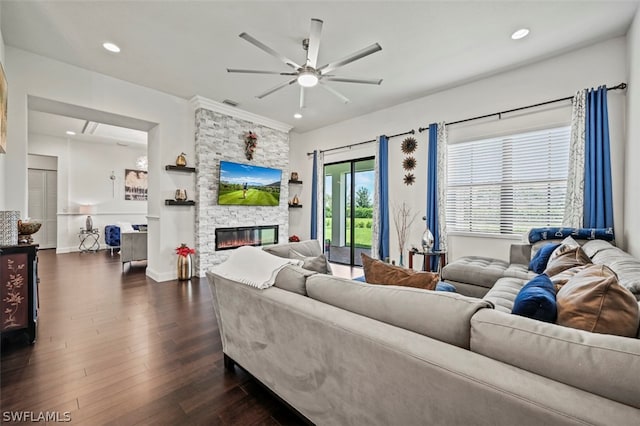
309 74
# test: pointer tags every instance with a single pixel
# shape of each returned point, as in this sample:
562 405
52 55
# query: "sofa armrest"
520 254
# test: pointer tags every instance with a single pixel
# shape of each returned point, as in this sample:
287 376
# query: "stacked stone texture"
221 137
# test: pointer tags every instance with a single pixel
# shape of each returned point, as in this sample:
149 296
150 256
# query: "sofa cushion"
480 271
306 248
539 262
312 263
442 315
566 257
537 300
378 272
504 292
592 300
517 270
609 365
626 267
293 278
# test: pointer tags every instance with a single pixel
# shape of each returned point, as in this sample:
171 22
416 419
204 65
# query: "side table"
427 255
89 240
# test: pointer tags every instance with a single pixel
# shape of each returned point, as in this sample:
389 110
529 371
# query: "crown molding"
202 102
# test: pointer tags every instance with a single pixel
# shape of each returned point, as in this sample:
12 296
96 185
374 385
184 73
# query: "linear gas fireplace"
230 238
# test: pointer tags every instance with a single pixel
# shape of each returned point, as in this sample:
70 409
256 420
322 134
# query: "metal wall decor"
409 163
409 145
409 179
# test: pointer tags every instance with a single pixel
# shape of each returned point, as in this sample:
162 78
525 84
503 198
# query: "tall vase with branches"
403 218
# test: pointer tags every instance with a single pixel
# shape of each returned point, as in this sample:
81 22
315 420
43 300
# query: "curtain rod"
620 86
410 132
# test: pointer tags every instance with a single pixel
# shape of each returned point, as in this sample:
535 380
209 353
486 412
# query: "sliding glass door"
348 210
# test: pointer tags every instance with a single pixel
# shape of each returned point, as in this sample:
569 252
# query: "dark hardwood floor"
118 348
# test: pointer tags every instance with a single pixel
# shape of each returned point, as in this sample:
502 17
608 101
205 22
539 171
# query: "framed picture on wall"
135 185
3 110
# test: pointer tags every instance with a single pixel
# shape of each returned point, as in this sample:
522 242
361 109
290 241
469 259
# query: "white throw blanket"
253 266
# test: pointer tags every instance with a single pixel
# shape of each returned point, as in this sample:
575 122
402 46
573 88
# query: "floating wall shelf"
184 169
179 203
295 181
295 206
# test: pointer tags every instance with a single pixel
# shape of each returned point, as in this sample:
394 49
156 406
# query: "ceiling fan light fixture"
307 78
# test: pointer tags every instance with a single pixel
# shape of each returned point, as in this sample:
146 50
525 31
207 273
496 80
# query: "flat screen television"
244 184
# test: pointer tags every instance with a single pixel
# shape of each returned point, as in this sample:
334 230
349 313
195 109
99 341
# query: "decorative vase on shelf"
427 240
181 195
295 200
181 161
185 263
89 224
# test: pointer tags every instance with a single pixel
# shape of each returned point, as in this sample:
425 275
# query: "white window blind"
509 184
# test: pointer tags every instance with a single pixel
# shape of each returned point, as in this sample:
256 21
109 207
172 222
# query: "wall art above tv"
248 185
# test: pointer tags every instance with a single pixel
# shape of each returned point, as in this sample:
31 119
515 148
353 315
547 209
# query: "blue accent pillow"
537 300
539 234
361 279
442 286
539 262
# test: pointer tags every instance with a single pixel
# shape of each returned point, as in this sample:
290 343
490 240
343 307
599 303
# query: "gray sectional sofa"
349 353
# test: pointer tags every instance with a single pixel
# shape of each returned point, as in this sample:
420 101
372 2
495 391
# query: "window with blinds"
508 185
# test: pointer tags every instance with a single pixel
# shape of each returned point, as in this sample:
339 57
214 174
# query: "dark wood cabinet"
19 290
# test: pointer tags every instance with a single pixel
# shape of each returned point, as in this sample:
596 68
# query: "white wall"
83 178
602 63
31 74
632 171
2 156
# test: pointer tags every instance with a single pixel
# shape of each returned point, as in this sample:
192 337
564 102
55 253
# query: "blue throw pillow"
539 262
442 286
537 300
361 279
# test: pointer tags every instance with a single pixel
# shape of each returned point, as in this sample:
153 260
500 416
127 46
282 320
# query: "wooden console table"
427 255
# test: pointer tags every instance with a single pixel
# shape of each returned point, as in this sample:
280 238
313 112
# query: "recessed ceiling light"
71 133
521 33
111 47
297 115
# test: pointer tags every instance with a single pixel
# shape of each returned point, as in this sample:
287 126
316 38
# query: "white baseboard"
161 276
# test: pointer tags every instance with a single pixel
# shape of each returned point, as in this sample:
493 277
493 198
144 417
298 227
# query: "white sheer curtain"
320 197
442 184
375 233
574 201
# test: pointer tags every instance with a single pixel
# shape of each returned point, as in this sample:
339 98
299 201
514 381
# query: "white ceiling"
184 47
57 125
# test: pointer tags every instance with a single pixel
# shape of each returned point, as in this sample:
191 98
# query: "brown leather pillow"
378 272
592 300
561 278
566 257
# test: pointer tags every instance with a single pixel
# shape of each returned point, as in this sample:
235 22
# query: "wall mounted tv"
244 184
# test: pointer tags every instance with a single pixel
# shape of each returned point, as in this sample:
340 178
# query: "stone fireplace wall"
218 137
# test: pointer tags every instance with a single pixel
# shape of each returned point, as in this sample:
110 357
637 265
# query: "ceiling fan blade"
339 95
354 80
314 42
375 47
278 87
236 70
302 103
269 50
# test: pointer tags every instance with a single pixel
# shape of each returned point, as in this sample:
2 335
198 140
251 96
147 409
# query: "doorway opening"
348 210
